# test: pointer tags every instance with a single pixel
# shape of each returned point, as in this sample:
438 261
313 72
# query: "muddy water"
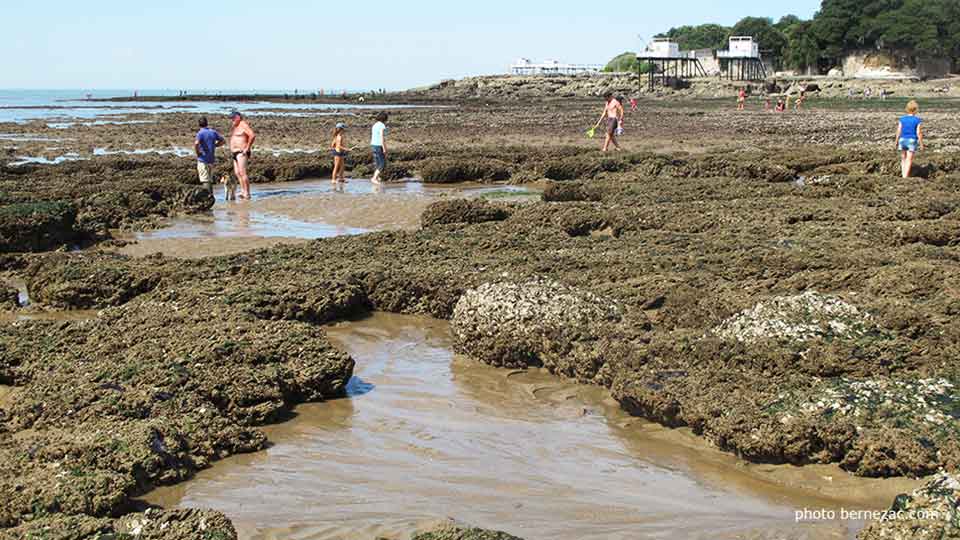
426 435
298 211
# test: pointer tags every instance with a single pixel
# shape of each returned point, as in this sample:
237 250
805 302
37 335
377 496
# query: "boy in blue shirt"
909 137
205 147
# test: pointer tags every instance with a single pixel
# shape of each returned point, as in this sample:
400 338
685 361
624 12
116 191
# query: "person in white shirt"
378 144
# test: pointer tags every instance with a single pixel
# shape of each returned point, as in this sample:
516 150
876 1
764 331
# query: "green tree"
924 26
770 38
919 27
787 21
803 49
704 36
626 62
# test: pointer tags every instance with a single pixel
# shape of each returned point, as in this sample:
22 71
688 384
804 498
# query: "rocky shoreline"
791 304
515 87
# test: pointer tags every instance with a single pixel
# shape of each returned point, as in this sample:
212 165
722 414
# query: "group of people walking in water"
242 138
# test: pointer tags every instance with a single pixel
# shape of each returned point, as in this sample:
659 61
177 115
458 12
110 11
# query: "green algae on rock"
146 394
453 531
37 226
463 211
931 512
152 524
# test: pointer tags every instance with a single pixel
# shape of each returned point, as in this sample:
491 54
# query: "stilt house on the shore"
667 64
741 61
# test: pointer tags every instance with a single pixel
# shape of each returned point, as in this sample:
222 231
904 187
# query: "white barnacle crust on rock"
802 317
931 512
538 322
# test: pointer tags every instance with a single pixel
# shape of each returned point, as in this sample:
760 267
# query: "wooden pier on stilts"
669 71
667 65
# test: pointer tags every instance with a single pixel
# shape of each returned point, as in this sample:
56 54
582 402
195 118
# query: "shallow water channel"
427 435
294 212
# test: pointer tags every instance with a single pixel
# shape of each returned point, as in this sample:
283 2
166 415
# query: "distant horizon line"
179 89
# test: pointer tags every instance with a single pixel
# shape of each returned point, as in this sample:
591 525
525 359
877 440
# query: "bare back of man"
241 145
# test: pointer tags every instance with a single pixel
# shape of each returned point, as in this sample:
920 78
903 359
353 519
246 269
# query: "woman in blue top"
909 137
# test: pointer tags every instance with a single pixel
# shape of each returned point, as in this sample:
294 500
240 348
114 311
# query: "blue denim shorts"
379 158
908 145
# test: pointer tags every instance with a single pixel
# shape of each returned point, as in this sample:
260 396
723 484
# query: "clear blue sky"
247 44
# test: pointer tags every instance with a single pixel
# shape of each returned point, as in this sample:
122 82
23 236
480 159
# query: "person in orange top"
241 146
741 99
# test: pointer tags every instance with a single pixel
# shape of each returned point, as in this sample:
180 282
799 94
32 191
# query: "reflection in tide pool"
316 209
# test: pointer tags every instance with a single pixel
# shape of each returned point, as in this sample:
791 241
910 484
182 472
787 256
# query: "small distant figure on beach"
767 106
800 99
633 104
241 148
613 116
781 106
741 99
883 94
205 146
909 137
867 93
338 150
378 144
851 93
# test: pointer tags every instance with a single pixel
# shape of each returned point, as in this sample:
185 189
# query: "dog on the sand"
229 187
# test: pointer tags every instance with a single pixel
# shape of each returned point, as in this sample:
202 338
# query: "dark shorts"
235 154
379 158
612 125
334 153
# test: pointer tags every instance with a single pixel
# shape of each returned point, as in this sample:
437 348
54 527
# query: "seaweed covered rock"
9 297
153 524
36 226
67 281
453 531
81 201
462 211
582 167
538 322
146 394
299 171
140 199
452 170
931 512
570 192
320 304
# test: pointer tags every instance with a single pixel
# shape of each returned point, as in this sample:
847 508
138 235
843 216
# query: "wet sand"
294 212
426 435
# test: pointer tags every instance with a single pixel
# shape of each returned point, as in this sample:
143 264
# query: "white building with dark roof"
525 66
